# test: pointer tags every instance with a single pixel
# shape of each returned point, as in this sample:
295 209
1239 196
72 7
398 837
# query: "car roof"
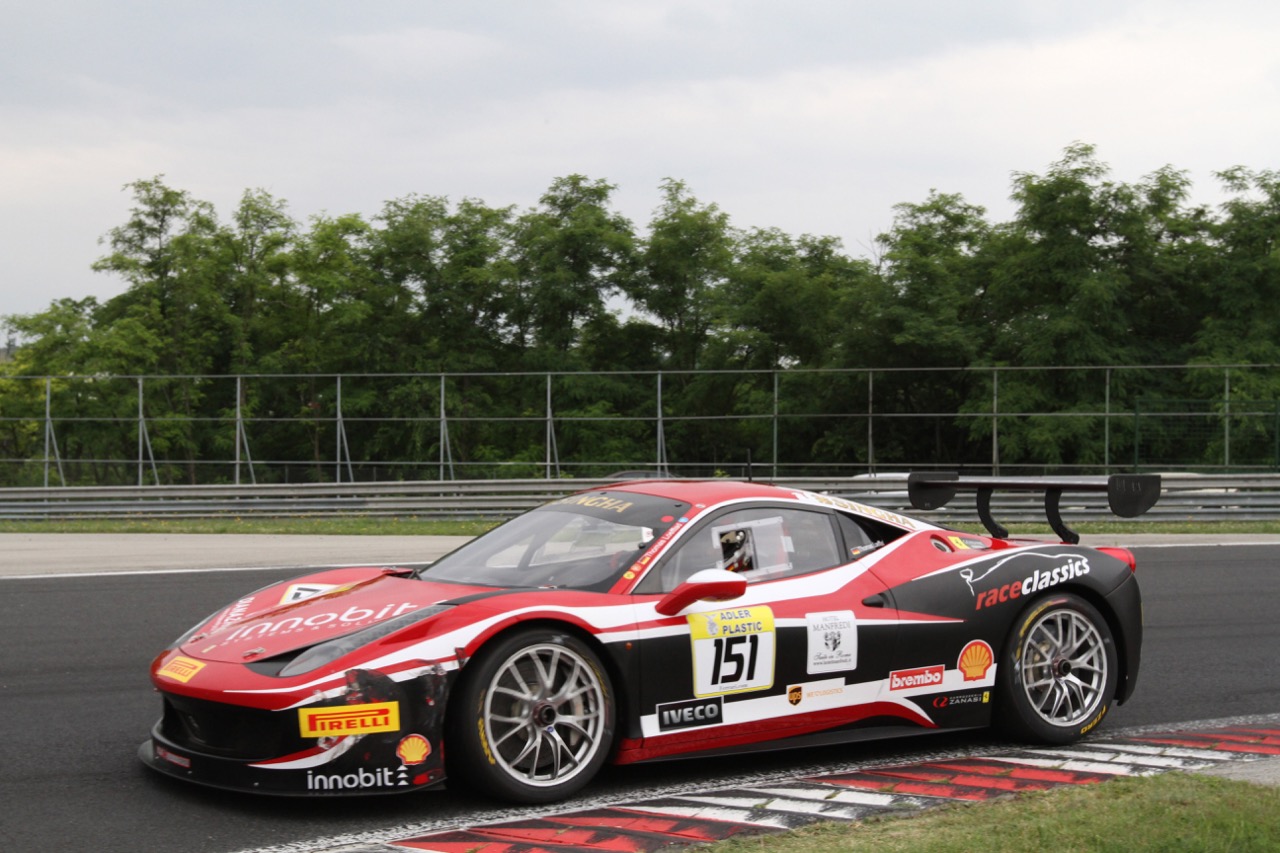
702 491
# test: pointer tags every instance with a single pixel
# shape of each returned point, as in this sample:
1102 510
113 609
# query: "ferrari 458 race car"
651 620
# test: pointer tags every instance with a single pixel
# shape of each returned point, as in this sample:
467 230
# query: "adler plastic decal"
733 650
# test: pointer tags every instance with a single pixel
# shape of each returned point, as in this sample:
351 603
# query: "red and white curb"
716 815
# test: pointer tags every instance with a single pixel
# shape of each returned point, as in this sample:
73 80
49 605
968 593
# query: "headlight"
317 656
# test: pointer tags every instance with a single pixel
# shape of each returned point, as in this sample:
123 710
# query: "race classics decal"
733 650
1069 567
833 641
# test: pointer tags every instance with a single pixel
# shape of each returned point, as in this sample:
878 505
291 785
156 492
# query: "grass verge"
354 526
1171 811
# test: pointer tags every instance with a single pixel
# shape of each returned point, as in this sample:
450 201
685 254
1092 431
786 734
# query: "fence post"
1137 433
871 412
553 452
995 422
445 455
142 428
1106 432
662 438
1226 417
775 425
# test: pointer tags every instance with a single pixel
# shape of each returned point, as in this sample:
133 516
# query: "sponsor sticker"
379 777
977 697
909 679
689 714
303 591
181 669
833 641
366 719
853 506
1070 568
413 749
601 502
342 620
975 660
824 692
733 650
173 758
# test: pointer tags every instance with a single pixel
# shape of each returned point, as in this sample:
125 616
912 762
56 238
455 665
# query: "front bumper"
355 770
384 739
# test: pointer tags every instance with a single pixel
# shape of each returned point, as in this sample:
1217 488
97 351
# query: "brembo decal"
924 676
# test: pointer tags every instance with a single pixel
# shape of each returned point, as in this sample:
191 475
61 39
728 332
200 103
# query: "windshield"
584 541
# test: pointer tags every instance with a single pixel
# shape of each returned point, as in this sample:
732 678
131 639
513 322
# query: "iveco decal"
684 715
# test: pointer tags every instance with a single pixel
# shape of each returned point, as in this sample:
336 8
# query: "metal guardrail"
1185 497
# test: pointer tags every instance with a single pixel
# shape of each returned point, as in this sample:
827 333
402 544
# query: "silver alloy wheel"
545 714
1064 667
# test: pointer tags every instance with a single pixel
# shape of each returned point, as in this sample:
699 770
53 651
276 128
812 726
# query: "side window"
763 543
862 536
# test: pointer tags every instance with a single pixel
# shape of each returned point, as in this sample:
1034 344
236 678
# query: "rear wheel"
532 719
1059 671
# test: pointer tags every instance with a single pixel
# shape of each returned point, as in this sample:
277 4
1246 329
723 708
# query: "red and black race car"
653 620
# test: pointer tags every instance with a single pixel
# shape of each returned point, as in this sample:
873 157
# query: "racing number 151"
731 662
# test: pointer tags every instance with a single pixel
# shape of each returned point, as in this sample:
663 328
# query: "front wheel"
532 719
1059 673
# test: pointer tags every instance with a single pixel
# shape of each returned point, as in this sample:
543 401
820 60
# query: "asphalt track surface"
75 700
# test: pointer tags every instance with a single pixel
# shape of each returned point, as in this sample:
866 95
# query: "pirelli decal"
181 669
342 720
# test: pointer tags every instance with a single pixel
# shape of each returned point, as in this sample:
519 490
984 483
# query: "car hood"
323 616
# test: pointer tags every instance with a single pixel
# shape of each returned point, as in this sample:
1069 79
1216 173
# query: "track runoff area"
1247 747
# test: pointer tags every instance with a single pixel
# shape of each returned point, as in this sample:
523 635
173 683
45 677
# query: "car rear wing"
1128 495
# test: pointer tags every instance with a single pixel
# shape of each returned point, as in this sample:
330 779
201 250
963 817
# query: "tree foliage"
1088 271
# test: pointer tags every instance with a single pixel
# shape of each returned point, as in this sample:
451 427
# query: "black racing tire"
532 718
1058 672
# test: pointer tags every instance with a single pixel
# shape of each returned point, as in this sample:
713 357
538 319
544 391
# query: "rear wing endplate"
1128 495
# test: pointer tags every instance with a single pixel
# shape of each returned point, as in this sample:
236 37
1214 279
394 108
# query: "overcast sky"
812 117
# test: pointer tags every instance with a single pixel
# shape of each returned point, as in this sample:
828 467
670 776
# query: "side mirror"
706 585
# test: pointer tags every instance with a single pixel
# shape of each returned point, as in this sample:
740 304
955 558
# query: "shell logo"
413 749
975 661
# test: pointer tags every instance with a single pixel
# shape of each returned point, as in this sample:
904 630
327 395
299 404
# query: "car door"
781 659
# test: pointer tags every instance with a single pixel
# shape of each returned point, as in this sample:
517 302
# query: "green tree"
573 254
685 259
